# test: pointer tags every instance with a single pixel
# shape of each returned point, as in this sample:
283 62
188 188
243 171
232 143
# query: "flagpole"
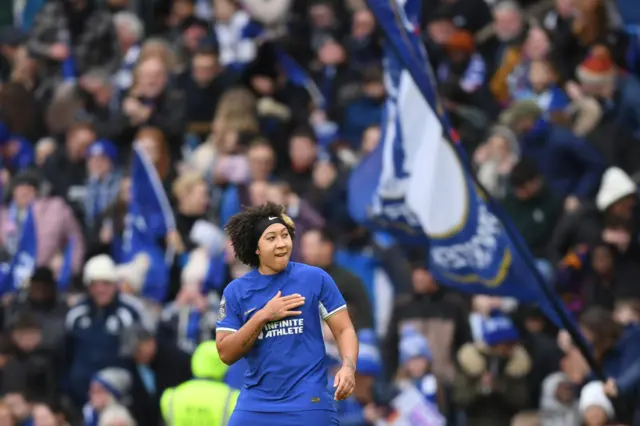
552 298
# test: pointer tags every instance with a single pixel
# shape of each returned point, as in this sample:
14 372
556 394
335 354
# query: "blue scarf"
15 218
90 416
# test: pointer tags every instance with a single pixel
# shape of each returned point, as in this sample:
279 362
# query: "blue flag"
417 184
66 271
148 220
19 270
299 77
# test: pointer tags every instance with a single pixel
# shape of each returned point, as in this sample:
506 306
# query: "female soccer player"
271 316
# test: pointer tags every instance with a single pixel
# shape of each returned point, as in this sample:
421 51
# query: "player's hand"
345 382
282 306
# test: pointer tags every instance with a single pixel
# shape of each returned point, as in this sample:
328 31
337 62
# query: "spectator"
70 157
55 223
235 33
95 325
491 383
415 367
547 145
534 209
31 365
622 370
42 300
147 372
151 101
439 317
154 143
618 92
74 37
130 31
109 387
495 160
99 102
317 250
103 180
203 85
595 408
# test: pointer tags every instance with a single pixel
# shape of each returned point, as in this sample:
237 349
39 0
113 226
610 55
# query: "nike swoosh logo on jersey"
249 311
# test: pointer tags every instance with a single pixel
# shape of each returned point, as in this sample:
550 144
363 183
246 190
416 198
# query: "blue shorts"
292 418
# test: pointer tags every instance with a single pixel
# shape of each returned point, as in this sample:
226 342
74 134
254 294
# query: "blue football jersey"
287 369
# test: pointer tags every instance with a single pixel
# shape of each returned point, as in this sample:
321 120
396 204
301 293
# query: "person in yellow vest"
205 400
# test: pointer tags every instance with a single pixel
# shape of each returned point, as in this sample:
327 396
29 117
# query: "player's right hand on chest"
283 306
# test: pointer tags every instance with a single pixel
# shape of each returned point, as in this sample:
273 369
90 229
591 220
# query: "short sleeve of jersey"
229 317
331 300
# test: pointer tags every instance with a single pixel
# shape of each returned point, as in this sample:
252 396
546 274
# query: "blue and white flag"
417 184
147 223
17 272
299 77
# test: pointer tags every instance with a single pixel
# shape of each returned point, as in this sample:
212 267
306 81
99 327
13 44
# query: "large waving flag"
148 220
417 183
16 273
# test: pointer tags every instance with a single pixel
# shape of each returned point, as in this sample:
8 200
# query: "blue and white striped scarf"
473 77
237 40
100 194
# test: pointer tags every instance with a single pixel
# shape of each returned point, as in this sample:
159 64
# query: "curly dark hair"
240 229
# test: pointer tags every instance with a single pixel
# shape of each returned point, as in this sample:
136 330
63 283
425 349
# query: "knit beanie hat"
117 381
597 67
105 148
413 345
460 41
616 184
100 268
498 329
592 394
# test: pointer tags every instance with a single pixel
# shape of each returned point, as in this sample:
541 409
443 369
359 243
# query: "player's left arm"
334 311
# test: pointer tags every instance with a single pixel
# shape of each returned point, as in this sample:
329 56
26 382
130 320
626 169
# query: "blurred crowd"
240 102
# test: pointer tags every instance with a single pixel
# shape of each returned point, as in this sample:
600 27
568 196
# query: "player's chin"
281 261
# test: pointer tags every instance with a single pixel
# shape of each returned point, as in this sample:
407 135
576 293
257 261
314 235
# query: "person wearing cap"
277 308
599 77
95 325
205 400
103 180
415 365
613 221
463 66
570 165
109 386
491 383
